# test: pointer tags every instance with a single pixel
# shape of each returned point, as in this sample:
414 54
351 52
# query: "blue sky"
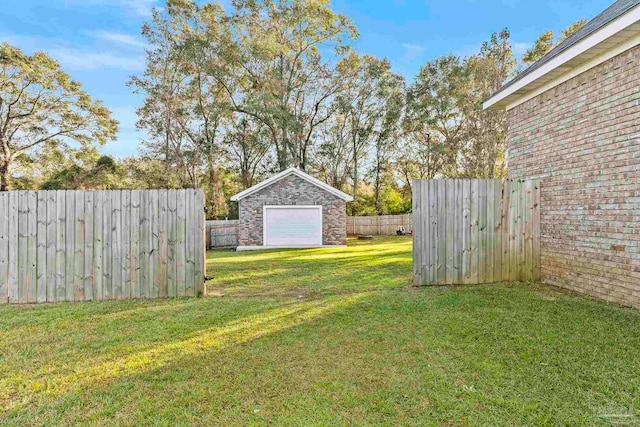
98 41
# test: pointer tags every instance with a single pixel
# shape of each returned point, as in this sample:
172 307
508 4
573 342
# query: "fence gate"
100 245
475 231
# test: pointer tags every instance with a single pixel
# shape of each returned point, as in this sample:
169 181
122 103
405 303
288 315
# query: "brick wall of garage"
292 190
583 138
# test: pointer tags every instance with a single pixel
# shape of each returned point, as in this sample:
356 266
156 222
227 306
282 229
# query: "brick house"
292 210
574 121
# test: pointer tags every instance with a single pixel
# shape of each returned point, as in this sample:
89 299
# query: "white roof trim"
577 71
284 174
510 95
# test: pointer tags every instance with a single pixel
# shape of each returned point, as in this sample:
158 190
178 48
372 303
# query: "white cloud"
140 8
519 48
75 59
120 38
413 47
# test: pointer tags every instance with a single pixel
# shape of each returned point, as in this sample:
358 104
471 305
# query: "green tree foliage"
234 94
545 42
43 109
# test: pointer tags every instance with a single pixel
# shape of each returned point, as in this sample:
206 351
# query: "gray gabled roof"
617 9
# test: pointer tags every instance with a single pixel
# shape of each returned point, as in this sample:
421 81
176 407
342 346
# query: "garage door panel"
293 226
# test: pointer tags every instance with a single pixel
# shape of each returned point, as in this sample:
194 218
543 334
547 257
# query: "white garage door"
292 225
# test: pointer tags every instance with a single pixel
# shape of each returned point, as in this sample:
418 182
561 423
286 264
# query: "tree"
390 93
285 82
368 109
248 146
545 43
482 154
434 114
76 177
184 110
541 46
571 29
42 107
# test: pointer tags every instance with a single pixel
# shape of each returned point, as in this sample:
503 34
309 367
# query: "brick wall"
583 138
293 190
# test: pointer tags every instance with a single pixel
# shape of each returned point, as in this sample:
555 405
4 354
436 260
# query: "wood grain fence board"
13 232
98 214
200 255
466 232
449 229
61 230
32 249
416 207
22 245
171 238
163 247
536 231
506 197
107 247
441 224
426 227
477 231
116 244
134 248
522 207
181 243
482 231
490 232
143 258
497 230
97 245
528 232
4 247
513 232
154 259
69 246
382 225
189 237
88 281
459 235
125 232
41 246
50 250
79 237
431 243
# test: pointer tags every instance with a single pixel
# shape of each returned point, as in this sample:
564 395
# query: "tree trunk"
5 175
355 184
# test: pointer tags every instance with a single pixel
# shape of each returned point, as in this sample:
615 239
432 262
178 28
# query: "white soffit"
611 40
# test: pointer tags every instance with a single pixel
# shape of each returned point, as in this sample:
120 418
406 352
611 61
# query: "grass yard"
323 337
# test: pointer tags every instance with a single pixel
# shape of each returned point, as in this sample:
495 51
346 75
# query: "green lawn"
323 337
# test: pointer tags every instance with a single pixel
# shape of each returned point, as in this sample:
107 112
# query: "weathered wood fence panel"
475 231
383 225
222 233
100 245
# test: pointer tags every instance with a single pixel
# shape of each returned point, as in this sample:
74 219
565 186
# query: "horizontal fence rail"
99 245
383 225
475 231
222 233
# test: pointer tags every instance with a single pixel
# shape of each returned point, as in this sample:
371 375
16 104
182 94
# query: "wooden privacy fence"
383 225
100 245
475 231
222 233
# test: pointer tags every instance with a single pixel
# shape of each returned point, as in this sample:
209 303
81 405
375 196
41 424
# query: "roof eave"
616 33
285 173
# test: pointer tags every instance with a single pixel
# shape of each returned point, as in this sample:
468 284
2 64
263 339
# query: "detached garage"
292 210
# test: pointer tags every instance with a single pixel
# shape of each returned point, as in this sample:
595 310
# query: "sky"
98 42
